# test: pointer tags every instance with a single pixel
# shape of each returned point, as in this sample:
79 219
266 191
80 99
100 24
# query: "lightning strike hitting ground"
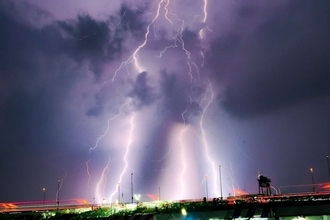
60 181
183 156
88 173
168 89
100 196
192 67
206 145
127 151
234 185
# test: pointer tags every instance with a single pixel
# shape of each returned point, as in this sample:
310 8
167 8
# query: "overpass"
281 207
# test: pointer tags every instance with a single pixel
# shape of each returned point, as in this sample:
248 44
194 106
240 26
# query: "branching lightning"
134 57
108 126
196 77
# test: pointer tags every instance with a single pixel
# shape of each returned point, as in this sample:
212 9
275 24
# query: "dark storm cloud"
129 21
19 44
142 94
89 39
101 41
82 39
36 77
40 66
97 109
191 40
176 98
279 62
165 39
26 13
132 21
30 55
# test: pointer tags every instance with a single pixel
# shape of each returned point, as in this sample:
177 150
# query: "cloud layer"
154 78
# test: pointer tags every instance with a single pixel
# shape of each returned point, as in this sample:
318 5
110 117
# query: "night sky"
167 90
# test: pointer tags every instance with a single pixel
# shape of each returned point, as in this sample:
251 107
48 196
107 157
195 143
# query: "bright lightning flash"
127 150
197 76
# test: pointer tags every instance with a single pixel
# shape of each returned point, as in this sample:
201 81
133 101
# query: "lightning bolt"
103 180
234 185
127 150
99 139
204 19
166 11
122 17
178 39
183 159
60 181
134 57
108 126
206 146
192 67
203 58
205 11
88 173
204 139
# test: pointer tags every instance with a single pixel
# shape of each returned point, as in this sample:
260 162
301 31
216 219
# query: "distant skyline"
167 90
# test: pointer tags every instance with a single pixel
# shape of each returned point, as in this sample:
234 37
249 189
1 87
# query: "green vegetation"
117 210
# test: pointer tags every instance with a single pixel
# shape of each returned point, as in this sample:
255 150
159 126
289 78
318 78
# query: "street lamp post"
220 182
328 166
132 187
44 190
58 193
311 169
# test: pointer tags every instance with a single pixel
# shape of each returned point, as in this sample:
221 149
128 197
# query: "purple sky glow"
167 90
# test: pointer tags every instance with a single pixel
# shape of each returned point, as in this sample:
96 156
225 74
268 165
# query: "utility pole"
132 187
207 190
220 182
58 193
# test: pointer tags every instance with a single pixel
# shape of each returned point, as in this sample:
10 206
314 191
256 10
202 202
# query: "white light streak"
60 181
103 180
205 142
108 126
134 57
183 156
127 150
